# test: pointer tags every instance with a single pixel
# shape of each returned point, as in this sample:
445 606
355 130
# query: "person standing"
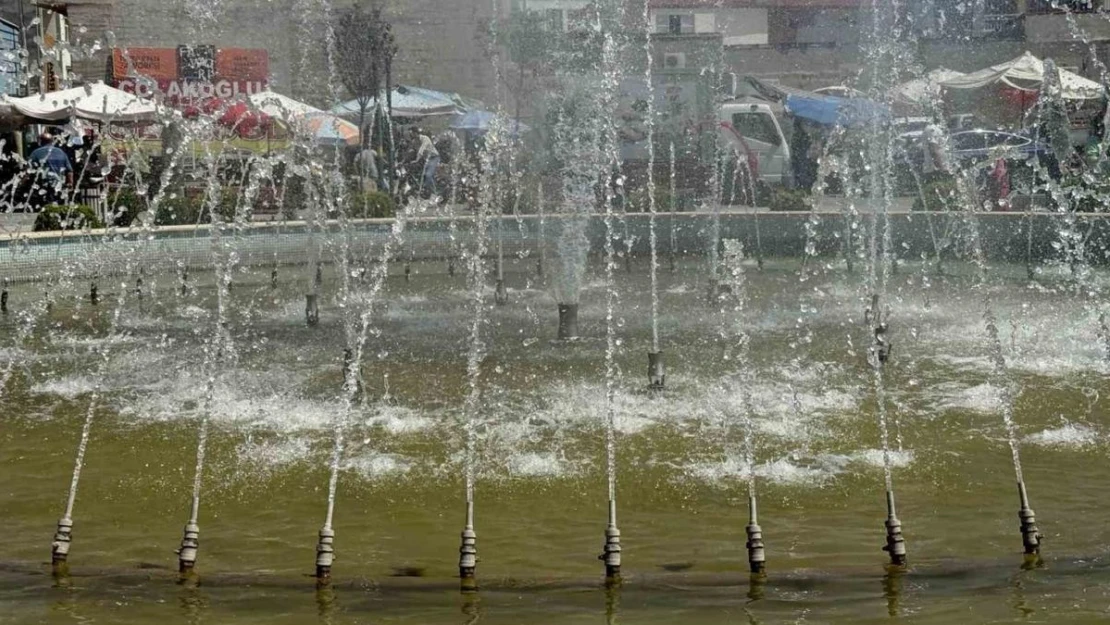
427 153
367 163
53 170
934 163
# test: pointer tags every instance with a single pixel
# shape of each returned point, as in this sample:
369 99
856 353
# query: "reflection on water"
996 592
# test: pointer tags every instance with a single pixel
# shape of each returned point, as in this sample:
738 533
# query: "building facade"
443 44
446 44
817 43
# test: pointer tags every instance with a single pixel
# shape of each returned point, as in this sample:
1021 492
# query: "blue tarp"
833 111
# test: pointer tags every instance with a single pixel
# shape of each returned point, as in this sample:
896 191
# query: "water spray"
63 536
500 294
657 375
611 552
542 238
673 208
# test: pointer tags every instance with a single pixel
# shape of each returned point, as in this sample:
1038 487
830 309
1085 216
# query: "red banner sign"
242 65
155 63
158 72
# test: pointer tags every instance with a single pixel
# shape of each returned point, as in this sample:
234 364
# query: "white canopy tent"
1026 73
95 102
412 102
281 106
922 91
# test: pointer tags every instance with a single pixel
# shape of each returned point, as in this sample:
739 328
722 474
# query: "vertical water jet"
568 322
656 373
671 249
541 240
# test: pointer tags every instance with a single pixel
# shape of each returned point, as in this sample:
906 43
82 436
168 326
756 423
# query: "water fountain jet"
568 322
657 375
1030 535
895 543
311 310
611 553
757 557
468 551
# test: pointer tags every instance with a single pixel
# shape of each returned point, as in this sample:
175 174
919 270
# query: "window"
674 23
756 126
10 83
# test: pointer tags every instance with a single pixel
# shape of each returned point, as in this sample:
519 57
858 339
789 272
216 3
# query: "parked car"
753 131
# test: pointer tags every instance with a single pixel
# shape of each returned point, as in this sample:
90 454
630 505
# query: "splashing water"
737 344
649 27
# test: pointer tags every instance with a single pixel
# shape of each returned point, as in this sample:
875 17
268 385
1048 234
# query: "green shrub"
664 203
373 205
1084 194
178 210
229 203
294 196
185 210
75 217
941 194
125 206
783 199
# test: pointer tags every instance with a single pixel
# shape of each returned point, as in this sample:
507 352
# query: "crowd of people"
55 171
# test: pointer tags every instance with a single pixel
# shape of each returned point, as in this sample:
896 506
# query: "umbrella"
922 91
324 127
328 129
478 122
411 102
1027 73
96 102
281 106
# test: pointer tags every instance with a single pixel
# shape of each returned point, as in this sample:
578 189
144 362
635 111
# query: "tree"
365 48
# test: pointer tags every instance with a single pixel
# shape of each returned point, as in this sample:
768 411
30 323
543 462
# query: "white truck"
694 118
